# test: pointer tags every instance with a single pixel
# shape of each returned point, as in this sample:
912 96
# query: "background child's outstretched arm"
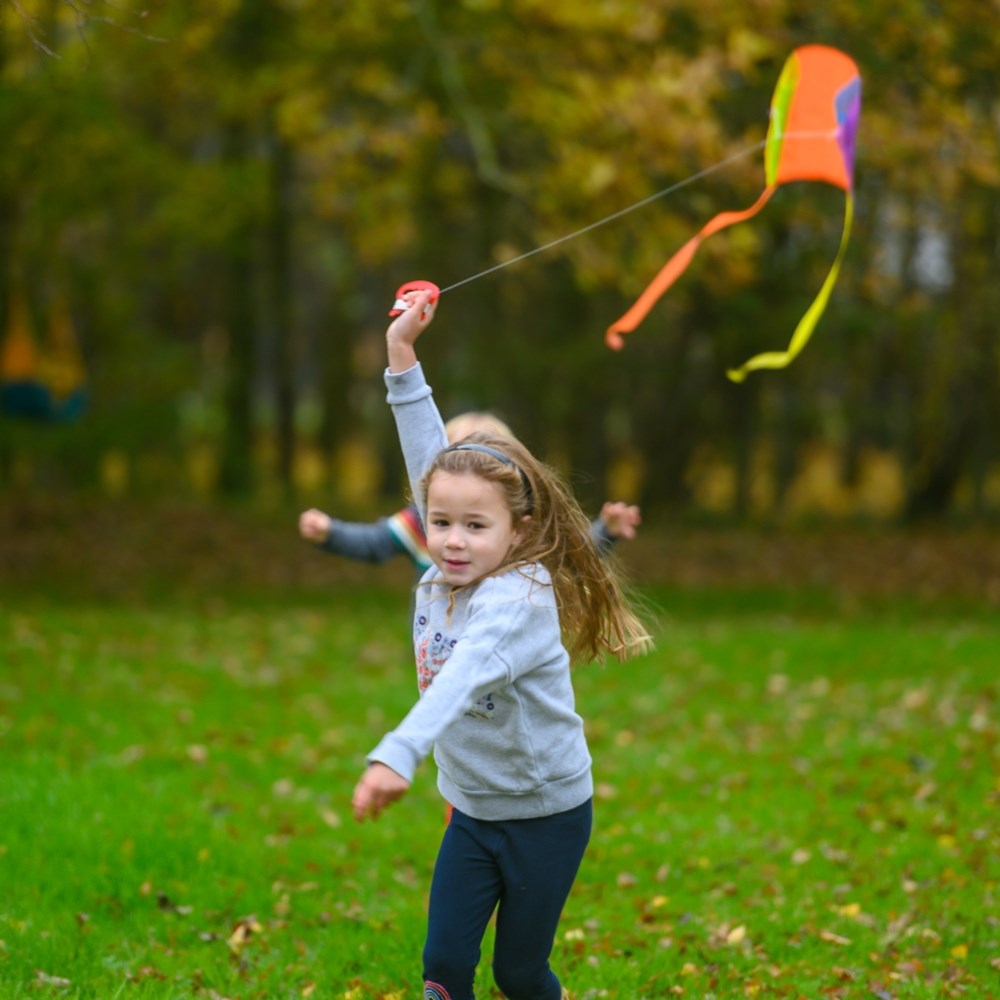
367 541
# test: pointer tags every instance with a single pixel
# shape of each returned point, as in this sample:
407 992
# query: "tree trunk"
280 261
236 476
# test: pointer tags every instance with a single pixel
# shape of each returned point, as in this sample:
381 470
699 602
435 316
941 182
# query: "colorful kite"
811 136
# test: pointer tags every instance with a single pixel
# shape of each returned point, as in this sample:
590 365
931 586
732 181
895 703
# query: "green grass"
793 801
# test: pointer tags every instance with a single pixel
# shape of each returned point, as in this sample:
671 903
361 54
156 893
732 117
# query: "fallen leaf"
736 935
331 818
146 972
242 932
44 979
833 938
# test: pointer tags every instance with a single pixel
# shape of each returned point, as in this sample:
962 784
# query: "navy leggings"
524 869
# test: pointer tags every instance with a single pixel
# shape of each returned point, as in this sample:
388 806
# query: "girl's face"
469 530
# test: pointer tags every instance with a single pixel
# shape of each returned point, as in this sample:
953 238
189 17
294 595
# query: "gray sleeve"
369 542
421 430
600 537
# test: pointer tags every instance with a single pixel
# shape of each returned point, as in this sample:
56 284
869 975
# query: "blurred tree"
274 171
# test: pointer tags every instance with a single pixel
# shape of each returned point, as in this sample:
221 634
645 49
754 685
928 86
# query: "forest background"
214 203
205 210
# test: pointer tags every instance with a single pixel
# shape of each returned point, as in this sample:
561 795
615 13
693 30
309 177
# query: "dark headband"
500 457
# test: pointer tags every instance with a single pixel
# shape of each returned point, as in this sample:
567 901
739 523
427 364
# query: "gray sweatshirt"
496 698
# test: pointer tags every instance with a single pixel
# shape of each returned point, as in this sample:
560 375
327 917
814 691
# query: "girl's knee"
519 982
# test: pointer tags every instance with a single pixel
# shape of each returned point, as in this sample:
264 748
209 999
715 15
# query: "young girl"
517 591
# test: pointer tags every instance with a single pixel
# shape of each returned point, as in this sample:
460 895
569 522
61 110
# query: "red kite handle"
401 305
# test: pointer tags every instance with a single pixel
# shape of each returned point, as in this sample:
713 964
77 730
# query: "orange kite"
811 137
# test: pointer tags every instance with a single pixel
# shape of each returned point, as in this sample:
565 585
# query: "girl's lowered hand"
379 787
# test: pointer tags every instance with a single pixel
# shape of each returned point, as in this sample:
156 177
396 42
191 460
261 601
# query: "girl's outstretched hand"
314 525
379 787
620 519
406 328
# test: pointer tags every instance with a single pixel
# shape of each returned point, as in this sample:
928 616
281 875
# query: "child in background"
515 593
402 532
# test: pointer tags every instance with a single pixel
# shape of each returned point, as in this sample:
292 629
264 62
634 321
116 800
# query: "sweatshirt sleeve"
512 628
600 537
418 422
371 542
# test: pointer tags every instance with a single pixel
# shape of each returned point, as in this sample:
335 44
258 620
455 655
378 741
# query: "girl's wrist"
401 354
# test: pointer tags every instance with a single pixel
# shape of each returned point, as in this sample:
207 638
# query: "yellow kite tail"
778 359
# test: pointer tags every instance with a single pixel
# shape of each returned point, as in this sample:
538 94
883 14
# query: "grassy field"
797 797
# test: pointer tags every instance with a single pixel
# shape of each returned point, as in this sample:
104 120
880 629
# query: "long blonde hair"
595 615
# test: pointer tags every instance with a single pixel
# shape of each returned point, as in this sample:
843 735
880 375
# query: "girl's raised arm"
406 328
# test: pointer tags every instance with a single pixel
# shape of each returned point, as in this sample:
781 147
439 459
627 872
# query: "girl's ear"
522 528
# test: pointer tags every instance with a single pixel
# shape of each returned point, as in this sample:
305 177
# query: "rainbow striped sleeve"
408 533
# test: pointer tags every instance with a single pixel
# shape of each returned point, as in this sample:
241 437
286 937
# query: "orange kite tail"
675 267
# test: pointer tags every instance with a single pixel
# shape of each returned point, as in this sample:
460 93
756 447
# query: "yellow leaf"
736 935
331 818
849 909
44 979
960 951
242 933
689 969
833 938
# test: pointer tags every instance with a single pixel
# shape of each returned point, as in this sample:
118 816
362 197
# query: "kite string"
610 218
639 204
